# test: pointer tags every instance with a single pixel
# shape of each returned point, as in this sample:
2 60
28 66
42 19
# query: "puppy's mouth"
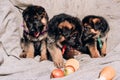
92 34
36 34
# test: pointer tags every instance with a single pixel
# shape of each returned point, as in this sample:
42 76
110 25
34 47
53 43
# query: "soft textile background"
30 69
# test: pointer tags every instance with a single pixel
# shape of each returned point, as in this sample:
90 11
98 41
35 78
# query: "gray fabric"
14 68
9 28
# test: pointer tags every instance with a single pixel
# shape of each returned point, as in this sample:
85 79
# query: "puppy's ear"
66 24
25 15
96 23
44 21
25 26
46 16
96 20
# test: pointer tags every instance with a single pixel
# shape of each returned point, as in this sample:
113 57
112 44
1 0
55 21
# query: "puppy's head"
95 25
65 28
35 20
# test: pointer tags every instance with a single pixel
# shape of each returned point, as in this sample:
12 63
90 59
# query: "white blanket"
14 68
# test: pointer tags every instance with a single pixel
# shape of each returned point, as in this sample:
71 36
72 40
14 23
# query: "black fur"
101 25
35 30
32 16
72 36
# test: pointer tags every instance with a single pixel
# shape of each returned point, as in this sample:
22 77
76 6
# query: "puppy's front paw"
103 51
23 55
42 58
103 54
95 54
56 55
59 62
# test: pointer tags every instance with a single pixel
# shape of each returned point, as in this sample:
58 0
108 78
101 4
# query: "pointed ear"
96 20
46 16
44 21
25 26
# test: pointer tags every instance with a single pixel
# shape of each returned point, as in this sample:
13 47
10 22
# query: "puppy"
95 34
35 20
64 36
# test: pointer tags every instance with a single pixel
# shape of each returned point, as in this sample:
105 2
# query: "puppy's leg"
43 51
23 54
56 55
104 48
30 51
93 50
24 47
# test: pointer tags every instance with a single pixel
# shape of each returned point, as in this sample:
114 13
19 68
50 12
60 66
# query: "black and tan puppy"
35 32
64 36
95 34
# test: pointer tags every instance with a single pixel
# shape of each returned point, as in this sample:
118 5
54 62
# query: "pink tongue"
63 49
36 34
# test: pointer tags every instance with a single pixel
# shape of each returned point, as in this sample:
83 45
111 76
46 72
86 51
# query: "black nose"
41 24
66 32
71 42
36 23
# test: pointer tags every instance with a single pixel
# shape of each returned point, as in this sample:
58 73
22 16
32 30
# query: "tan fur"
103 50
87 25
25 26
44 21
93 50
73 52
104 47
95 20
56 54
30 51
96 32
43 51
62 38
66 24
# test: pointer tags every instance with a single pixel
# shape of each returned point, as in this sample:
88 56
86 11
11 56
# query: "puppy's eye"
32 30
42 17
41 27
86 28
73 37
60 31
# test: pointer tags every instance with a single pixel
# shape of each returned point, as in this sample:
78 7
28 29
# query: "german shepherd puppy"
95 34
35 20
64 37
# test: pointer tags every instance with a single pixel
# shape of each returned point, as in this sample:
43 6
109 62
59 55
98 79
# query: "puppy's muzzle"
37 29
